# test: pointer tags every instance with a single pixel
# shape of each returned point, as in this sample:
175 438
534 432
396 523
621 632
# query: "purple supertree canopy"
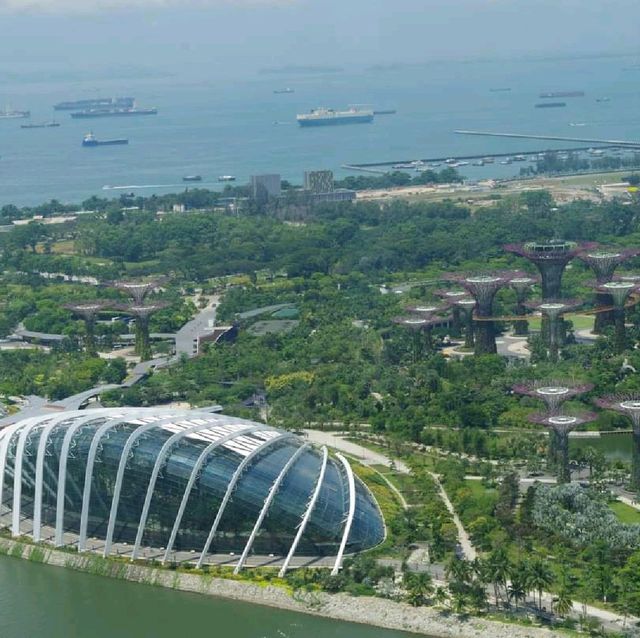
142 310
554 307
482 287
626 403
552 392
138 290
551 250
604 261
451 295
619 290
87 309
416 322
562 423
425 310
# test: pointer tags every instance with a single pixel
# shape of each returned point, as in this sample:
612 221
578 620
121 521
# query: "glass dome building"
180 485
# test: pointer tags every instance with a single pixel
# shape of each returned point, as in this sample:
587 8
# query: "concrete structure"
162 483
265 187
318 181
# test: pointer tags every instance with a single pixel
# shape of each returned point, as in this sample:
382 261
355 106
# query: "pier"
554 138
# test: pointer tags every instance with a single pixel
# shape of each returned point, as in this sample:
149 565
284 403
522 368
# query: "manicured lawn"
625 513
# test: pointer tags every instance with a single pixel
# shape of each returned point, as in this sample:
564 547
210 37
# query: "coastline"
378 612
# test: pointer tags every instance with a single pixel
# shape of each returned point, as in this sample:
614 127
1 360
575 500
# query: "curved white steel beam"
62 468
5 440
267 503
307 515
352 511
232 484
17 472
88 476
122 466
192 479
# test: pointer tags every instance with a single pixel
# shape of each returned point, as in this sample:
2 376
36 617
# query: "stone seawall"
366 610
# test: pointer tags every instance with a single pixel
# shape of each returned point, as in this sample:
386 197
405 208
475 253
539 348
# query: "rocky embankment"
367 610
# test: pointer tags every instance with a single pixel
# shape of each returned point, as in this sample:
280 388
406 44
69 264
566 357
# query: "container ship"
118 112
552 94
90 140
96 103
9 114
325 117
41 125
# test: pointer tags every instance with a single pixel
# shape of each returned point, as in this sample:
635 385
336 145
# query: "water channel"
42 601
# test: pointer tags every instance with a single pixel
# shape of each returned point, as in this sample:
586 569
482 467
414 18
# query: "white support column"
42 450
352 511
17 472
192 479
307 514
88 477
122 466
232 484
267 503
62 468
6 435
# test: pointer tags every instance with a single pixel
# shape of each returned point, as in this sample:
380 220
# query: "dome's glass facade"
156 482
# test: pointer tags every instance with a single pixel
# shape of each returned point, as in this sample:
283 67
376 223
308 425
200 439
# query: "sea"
238 126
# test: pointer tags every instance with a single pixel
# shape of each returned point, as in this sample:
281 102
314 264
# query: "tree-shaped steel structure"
561 425
550 258
88 310
522 285
629 405
552 392
419 325
142 313
483 289
449 296
603 262
553 310
137 290
618 291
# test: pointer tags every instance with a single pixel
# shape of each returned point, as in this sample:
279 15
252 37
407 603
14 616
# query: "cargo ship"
324 117
117 112
9 114
550 105
90 140
552 94
96 103
41 125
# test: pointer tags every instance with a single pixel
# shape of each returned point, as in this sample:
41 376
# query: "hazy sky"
248 34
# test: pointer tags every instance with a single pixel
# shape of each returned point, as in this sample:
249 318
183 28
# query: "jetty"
554 138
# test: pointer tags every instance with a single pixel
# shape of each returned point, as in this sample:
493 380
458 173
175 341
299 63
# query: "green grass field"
625 513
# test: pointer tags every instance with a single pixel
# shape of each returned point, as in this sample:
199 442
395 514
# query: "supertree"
552 392
550 258
618 292
553 310
420 326
137 290
561 425
603 262
450 296
629 405
522 285
88 311
142 313
483 289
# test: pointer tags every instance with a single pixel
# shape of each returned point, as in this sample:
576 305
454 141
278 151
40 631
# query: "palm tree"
496 569
418 586
517 591
562 604
539 577
458 569
441 597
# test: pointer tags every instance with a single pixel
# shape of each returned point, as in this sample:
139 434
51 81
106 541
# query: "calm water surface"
41 601
615 447
238 126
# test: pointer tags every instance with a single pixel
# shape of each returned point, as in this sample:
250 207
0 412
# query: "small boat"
192 178
603 99
90 140
506 161
488 160
283 91
227 178
479 163
520 158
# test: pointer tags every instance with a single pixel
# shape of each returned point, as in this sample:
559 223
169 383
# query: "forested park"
478 348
